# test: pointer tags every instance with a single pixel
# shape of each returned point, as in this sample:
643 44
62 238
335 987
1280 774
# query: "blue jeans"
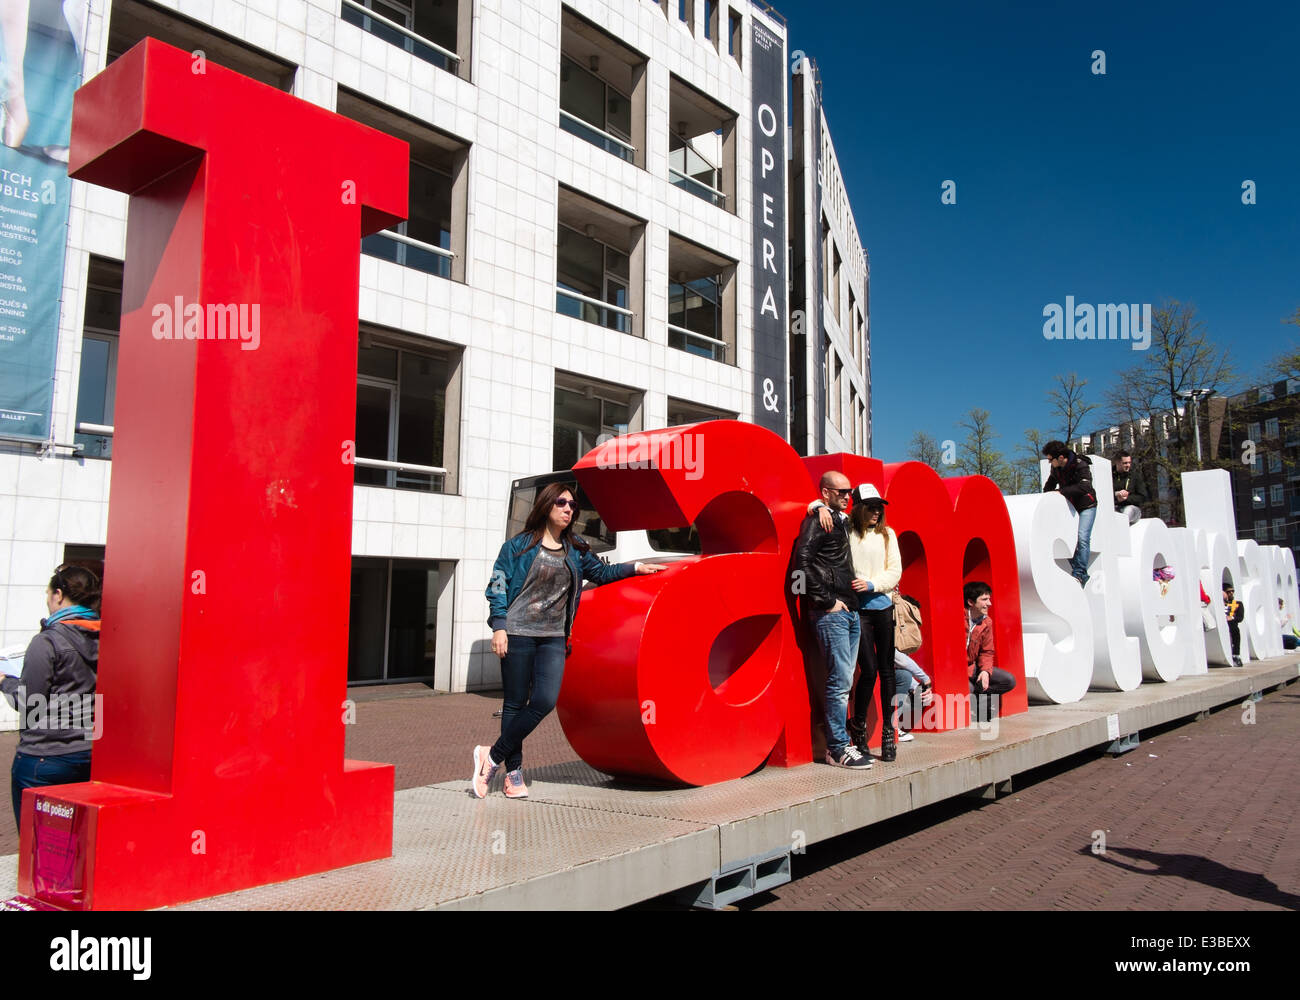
837 636
37 772
1079 564
530 663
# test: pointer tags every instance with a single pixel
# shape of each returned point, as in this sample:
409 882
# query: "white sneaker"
903 737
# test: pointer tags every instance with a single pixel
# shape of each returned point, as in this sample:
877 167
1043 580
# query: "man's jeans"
837 636
1079 564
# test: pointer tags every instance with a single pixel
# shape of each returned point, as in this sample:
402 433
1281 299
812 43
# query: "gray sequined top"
543 602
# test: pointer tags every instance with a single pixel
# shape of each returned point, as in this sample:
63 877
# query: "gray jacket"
55 696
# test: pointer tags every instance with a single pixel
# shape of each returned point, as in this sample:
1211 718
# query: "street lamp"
1195 395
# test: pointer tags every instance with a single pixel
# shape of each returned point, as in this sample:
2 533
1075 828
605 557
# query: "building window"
711 20
602 89
686 13
701 145
408 414
1279 529
97 378
1257 498
735 41
599 264
432 239
1271 429
133 20
1275 495
1257 466
701 301
436 31
1261 531
1252 432
399 621
587 411
1274 461
681 411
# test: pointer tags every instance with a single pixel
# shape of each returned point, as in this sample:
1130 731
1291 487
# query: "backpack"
907 624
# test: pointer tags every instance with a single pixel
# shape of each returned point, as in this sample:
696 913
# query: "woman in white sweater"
877 568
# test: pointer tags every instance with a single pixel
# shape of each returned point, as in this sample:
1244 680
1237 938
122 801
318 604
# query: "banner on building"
771 391
40 68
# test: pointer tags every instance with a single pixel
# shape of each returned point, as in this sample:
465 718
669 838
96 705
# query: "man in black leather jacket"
824 574
1072 475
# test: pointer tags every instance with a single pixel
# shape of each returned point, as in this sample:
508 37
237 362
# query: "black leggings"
875 659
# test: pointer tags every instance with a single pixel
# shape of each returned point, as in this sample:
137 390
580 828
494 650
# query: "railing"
425 477
709 347
417 45
94 440
611 316
597 137
697 188
409 252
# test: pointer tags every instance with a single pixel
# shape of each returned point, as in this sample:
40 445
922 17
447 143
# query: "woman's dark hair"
858 515
78 585
541 512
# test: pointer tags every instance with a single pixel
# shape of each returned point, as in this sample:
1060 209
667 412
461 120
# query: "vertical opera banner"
223 666
768 267
40 67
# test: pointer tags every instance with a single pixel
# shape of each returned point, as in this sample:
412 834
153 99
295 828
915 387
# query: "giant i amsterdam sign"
223 657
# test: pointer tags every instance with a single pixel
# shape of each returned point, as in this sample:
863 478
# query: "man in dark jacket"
824 567
1130 488
1072 476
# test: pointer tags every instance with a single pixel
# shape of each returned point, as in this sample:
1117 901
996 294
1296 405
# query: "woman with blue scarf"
55 697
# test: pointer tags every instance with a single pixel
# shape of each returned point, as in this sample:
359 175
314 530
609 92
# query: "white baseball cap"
866 493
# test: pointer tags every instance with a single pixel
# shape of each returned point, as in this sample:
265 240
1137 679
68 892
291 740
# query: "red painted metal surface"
224 650
699 674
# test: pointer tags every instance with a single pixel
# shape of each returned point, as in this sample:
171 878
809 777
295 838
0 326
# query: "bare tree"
1287 364
1182 357
1068 406
977 456
1024 475
924 448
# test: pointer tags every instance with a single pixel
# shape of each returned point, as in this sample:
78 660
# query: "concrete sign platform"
585 841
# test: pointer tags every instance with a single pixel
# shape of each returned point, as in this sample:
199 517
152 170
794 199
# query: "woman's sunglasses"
562 503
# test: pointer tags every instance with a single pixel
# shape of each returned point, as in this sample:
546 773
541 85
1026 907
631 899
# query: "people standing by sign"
1130 488
533 598
1236 614
877 568
55 697
1072 475
822 558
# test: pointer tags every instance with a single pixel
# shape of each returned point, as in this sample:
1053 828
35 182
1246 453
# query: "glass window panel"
619 119
92 386
430 207
581 262
421 413
103 308
374 407
378 362
411 620
366 613
581 94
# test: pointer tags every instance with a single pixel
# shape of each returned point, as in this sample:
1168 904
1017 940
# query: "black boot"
858 736
888 748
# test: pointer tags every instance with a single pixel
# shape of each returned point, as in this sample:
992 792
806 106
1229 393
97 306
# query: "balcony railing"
405 475
697 187
597 137
95 440
697 343
584 307
396 34
400 249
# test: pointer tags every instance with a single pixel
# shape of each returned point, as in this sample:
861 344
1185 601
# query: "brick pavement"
1214 813
1203 815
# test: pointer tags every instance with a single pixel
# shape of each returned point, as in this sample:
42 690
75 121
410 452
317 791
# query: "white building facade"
579 260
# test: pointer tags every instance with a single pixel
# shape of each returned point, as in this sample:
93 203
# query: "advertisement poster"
59 853
40 68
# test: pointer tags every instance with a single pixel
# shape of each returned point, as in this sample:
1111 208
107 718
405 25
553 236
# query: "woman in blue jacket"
533 598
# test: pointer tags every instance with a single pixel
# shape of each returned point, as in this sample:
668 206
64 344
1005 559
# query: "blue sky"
1117 188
